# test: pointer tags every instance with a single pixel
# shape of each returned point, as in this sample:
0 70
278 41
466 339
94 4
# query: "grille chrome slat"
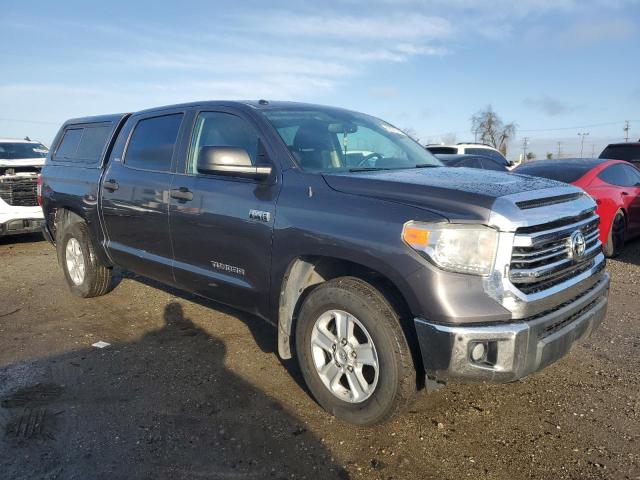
19 191
543 258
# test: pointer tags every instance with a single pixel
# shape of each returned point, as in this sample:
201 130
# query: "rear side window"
618 175
622 152
486 152
84 144
152 143
93 142
489 164
445 150
69 144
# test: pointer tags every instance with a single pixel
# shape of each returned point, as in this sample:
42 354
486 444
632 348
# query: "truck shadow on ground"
264 334
163 406
631 253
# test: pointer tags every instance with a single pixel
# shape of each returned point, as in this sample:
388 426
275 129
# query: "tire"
617 234
95 278
391 388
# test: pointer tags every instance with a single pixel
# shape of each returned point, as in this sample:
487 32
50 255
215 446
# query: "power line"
18 120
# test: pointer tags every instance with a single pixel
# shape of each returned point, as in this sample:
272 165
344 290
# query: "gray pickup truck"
383 271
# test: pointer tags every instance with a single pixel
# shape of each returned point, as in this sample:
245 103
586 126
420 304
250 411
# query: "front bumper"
20 226
511 350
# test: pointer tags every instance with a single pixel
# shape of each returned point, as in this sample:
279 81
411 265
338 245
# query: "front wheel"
353 353
617 234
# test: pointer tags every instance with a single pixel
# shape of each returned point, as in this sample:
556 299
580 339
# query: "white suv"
20 165
470 149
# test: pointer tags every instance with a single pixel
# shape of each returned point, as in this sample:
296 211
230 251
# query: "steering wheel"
366 158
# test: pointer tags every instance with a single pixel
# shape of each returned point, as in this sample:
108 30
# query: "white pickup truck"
20 165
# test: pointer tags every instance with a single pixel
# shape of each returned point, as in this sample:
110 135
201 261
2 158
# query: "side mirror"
229 161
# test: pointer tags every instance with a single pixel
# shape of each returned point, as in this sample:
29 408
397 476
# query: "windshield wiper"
427 165
367 169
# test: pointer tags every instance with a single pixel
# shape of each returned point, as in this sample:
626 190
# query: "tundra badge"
259 215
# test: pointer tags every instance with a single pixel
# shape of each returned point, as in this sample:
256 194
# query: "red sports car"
613 184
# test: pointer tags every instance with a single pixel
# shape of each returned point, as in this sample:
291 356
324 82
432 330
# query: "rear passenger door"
135 194
221 229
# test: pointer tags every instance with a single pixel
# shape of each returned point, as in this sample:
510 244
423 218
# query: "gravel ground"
190 389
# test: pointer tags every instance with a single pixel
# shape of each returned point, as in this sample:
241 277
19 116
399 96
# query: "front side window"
617 175
217 129
22 150
152 143
329 140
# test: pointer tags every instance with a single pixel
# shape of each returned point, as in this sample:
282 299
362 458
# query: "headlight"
456 247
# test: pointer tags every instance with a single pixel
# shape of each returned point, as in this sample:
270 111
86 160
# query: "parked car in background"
613 184
472 161
622 151
20 164
382 271
469 149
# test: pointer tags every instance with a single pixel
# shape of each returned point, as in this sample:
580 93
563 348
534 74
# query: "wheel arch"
304 273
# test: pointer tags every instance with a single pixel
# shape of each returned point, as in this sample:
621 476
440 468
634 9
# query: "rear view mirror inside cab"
342 128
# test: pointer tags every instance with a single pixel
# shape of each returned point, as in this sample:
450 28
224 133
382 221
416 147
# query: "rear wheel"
84 274
353 353
617 234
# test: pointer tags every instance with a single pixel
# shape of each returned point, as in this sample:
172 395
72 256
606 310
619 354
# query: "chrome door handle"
182 193
110 185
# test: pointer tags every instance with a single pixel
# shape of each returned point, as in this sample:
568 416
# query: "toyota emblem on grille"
578 245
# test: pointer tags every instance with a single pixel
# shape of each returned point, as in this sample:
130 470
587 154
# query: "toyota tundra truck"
383 271
20 164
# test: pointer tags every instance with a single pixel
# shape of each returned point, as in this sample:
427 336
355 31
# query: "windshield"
562 172
622 152
20 150
327 140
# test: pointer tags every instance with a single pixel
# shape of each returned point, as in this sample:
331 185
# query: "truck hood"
23 162
461 194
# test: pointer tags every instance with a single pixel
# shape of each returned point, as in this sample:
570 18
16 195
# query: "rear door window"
152 143
617 175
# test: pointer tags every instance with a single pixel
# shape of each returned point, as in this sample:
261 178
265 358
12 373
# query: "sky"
554 67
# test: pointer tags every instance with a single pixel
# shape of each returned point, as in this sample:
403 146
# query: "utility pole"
582 135
525 144
593 150
559 149
626 130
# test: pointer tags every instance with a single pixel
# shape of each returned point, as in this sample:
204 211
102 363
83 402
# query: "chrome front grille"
543 256
19 191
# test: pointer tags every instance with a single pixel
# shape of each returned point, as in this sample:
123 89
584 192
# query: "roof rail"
475 143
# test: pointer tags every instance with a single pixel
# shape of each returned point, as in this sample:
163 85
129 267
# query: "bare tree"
489 128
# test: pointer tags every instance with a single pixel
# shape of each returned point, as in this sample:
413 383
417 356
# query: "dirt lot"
189 389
